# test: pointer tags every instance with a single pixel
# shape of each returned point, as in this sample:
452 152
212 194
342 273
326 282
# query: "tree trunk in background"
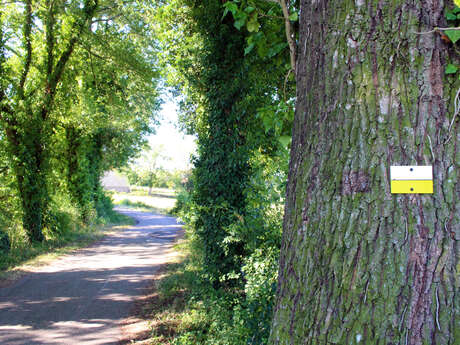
358 264
79 172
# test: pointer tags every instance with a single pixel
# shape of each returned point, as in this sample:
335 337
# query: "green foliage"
451 69
77 91
146 170
265 23
241 315
454 35
229 63
453 18
221 166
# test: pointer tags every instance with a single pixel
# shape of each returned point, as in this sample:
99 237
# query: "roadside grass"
162 201
23 256
144 191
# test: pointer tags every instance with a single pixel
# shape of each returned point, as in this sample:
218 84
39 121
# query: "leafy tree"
234 100
116 104
238 99
41 37
49 94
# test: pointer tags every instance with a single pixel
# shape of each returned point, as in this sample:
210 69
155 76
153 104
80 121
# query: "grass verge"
141 206
162 202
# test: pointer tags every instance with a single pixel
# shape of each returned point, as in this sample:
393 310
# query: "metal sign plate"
411 179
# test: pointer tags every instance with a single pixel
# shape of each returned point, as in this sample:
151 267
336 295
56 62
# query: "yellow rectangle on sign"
412 186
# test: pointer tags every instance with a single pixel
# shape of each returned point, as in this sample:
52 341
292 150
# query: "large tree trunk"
358 264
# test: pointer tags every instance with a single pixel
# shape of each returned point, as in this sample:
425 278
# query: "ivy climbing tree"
221 168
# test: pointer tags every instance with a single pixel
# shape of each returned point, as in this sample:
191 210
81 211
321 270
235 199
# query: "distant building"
115 181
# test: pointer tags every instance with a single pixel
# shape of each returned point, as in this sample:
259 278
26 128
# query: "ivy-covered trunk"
79 172
30 170
360 265
221 172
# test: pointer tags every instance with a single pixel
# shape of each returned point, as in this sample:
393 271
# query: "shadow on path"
81 298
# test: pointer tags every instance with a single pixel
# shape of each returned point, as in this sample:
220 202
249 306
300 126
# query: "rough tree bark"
358 264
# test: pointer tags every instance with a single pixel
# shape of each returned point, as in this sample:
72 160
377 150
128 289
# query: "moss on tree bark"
358 264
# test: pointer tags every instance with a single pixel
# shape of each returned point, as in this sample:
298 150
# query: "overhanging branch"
289 33
28 46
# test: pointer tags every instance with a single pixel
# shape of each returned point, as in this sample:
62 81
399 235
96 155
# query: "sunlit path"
81 298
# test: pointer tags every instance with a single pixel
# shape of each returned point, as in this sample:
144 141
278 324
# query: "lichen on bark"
358 264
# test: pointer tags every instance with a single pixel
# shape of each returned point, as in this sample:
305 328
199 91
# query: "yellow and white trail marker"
411 179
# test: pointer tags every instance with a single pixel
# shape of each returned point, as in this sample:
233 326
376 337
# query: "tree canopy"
78 90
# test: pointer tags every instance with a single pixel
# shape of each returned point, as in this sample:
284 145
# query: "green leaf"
239 23
249 48
249 9
450 16
274 50
253 24
284 140
294 17
231 6
267 121
454 35
451 69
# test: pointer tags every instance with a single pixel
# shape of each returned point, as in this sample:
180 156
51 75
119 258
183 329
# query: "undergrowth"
192 307
185 308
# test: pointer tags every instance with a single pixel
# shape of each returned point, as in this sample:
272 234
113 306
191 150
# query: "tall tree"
48 36
85 67
360 265
222 170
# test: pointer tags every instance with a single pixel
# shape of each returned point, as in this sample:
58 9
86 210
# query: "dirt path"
82 298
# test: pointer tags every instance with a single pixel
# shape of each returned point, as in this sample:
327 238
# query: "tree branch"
4 106
49 28
289 34
436 29
56 75
28 46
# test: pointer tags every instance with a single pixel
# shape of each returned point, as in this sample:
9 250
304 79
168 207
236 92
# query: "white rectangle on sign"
411 172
